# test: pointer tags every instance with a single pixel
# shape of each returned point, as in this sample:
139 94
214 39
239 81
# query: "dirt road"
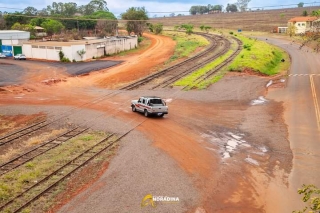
217 150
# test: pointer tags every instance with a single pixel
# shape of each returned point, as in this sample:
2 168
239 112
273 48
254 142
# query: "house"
79 50
11 41
302 24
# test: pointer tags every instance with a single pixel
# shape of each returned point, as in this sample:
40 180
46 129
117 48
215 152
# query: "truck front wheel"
133 108
146 113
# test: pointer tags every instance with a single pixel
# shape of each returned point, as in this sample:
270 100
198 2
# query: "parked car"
20 57
2 55
150 105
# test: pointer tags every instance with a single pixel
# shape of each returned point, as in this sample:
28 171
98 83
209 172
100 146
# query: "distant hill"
259 20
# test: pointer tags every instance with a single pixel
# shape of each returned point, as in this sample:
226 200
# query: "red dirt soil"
178 141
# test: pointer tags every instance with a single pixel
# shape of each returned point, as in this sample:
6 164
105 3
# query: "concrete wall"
42 52
92 49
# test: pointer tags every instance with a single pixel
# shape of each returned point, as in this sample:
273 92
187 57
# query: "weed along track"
40 149
211 72
22 132
69 163
218 46
185 69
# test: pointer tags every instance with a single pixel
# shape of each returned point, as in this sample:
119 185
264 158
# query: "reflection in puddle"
260 100
227 142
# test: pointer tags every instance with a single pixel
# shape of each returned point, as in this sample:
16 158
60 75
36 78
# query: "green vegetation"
186 44
191 80
135 13
205 28
311 196
260 57
16 181
155 28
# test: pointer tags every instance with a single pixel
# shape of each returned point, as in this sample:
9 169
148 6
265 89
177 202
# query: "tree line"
239 5
61 17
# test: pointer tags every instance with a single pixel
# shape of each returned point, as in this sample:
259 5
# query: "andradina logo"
151 200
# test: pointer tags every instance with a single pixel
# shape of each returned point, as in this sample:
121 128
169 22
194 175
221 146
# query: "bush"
140 39
64 59
61 55
231 33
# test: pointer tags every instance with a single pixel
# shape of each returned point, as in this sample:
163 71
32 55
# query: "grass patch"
14 182
186 44
30 142
191 80
259 56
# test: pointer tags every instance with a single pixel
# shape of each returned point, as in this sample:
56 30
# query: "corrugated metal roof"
14 34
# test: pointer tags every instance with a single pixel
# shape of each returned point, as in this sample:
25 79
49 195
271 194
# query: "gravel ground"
137 170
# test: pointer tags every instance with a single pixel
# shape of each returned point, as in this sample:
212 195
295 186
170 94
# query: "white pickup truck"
150 105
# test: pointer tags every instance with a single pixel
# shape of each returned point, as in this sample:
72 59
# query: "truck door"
139 106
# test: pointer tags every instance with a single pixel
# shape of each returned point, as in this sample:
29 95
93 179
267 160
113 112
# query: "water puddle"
259 101
227 142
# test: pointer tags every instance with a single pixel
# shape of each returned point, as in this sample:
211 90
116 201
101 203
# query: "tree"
188 28
291 30
81 53
311 195
315 13
198 10
300 4
217 8
231 8
70 9
52 26
304 13
136 17
30 11
24 27
157 28
11 19
37 21
242 4
193 10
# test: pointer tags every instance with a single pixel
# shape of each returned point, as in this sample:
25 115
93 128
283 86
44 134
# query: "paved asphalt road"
12 72
301 98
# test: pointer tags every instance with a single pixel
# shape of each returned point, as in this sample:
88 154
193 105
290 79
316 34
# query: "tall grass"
258 56
14 182
190 80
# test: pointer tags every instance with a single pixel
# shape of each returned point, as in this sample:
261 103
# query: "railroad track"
225 47
43 186
208 74
22 132
189 61
39 150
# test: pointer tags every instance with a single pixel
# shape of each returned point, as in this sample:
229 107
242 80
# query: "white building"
11 41
93 48
302 24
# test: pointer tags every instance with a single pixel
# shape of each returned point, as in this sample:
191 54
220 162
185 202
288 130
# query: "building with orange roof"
302 24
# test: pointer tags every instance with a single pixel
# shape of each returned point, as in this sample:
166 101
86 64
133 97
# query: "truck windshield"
156 102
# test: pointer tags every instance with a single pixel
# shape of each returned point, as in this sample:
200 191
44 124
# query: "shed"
11 41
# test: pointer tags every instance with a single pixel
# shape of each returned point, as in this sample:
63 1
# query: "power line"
249 8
